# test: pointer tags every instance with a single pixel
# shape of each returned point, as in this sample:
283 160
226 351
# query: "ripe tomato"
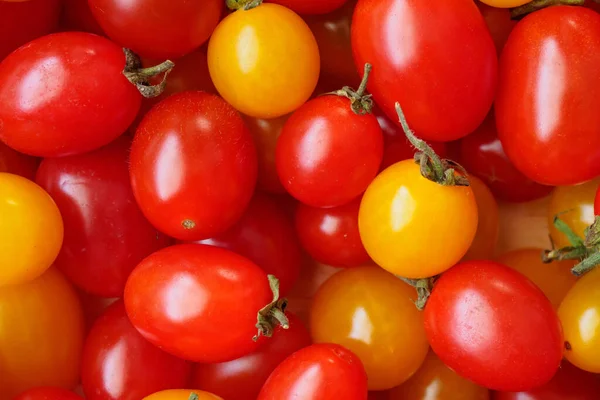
311 6
242 379
41 335
278 68
13 162
597 202
414 46
505 3
545 102
193 166
31 230
499 23
370 312
484 319
181 394
48 393
106 234
156 28
77 16
334 372
180 299
488 225
64 110
401 210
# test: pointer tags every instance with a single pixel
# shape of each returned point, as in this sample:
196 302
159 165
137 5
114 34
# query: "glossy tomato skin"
181 394
335 372
505 3
155 28
311 6
488 223
13 162
106 234
181 297
413 46
545 66
64 110
243 378
48 393
327 155
193 166
143 369
597 202
484 319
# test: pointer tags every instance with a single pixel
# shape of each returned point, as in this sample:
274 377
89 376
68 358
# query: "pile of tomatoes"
299 199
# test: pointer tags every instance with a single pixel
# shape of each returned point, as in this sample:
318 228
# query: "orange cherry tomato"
488 227
371 313
505 3
181 394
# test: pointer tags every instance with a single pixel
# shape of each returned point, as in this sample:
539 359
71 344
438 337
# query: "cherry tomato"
597 202
499 23
484 319
48 393
554 279
505 3
193 166
197 302
371 312
278 68
401 211
16 163
77 16
482 154
181 394
488 225
414 47
41 335
157 28
330 235
64 109
31 230
334 372
243 378
311 6
546 95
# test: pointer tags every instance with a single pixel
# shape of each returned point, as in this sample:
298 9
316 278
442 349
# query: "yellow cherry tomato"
414 227
371 313
505 3
181 394
264 61
31 230
488 226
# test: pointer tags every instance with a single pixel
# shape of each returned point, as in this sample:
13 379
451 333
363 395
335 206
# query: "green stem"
535 5
423 286
586 265
566 230
360 102
193 396
141 77
242 4
272 314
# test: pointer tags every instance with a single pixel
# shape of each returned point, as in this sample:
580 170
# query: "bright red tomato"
198 302
484 319
106 234
545 106
310 6
243 378
327 155
193 166
597 202
64 110
48 393
77 16
499 23
414 46
317 372
13 162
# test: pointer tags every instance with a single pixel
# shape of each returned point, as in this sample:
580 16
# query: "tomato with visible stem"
483 319
499 23
488 222
193 166
77 16
242 379
335 372
311 6
182 394
48 393
13 162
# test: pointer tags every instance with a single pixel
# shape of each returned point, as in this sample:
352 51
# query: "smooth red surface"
119 364
13 162
546 102
198 302
243 378
77 16
436 58
493 326
327 155
193 159
597 202
48 393
310 6
65 94
106 234
317 372
499 23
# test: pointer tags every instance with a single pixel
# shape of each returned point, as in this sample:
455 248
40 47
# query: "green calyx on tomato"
535 5
242 4
423 286
193 396
141 77
273 313
361 103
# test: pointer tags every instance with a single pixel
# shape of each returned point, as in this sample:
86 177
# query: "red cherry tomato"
48 393
193 166
317 372
545 106
13 162
243 378
65 109
484 320
597 202
327 155
499 23
311 6
77 16
415 47
197 302
157 28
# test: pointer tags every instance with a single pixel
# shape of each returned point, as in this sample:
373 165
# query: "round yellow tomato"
264 61
182 394
31 230
41 335
505 3
488 226
371 313
414 227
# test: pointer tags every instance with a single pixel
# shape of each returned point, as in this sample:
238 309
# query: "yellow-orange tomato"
554 279
579 314
181 394
372 313
435 381
488 226
505 3
264 61
31 230
41 335
414 227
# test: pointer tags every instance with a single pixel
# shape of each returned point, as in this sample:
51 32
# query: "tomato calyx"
272 314
193 396
242 4
141 77
360 102
535 5
423 286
